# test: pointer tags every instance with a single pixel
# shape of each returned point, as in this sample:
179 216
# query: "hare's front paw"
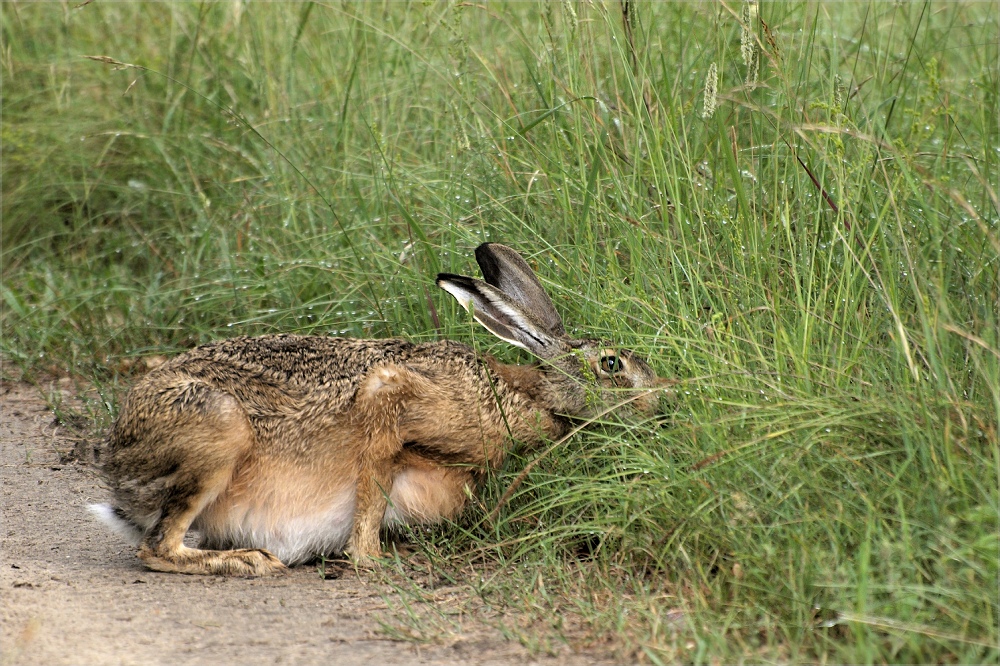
364 553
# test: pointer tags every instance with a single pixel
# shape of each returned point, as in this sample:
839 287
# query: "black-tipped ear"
500 315
504 269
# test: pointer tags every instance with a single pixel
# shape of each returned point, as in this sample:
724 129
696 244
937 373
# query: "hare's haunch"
282 447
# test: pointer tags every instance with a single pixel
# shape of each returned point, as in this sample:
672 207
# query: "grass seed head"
711 91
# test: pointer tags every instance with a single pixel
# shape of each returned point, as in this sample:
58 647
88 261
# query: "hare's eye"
611 364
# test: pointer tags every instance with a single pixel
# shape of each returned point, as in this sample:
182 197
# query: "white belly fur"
293 539
420 495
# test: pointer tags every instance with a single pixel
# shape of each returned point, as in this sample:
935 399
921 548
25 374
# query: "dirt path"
72 593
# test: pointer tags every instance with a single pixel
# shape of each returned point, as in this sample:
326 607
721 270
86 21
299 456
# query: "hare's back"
294 360
273 369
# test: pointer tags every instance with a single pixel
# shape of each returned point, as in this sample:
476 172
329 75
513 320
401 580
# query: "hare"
282 447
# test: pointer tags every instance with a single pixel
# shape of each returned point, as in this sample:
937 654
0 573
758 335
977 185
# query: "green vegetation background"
811 251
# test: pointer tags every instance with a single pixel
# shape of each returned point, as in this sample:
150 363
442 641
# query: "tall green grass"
816 262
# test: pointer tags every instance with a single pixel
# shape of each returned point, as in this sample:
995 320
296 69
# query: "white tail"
123 528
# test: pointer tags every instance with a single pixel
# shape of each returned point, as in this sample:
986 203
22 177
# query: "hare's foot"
364 548
364 562
241 562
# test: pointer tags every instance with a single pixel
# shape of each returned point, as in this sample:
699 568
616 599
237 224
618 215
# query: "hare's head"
582 376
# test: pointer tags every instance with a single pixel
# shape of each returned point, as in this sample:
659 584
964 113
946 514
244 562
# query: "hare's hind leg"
163 547
198 451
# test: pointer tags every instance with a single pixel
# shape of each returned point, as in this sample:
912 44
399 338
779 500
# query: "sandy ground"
72 593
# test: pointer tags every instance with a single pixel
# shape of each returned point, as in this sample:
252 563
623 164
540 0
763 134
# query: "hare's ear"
504 268
501 315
